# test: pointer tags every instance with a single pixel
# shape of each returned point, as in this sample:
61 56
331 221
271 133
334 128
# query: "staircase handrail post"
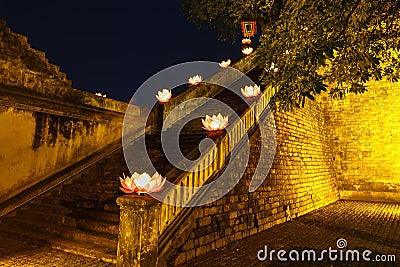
138 231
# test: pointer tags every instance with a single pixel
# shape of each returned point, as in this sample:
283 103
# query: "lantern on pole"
249 29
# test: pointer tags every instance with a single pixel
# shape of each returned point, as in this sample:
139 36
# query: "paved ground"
15 253
364 226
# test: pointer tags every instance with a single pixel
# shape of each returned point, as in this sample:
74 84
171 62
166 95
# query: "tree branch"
277 6
346 22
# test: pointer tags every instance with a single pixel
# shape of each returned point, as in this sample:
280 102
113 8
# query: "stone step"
97 238
97 225
53 218
93 196
113 207
105 253
67 216
65 231
86 204
90 189
39 225
44 206
109 216
103 183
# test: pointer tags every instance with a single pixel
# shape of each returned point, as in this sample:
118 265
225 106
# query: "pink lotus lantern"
215 123
164 95
246 41
142 183
225 64
247 51
251 91
195 80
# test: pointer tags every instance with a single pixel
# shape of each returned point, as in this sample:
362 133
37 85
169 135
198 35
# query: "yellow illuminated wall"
364 134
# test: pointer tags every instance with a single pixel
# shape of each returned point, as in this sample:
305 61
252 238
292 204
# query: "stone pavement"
16 253
364 226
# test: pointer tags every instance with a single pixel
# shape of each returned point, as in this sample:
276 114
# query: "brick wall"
365 140
302 177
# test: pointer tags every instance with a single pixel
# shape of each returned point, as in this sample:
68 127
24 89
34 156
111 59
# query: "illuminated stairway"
81 215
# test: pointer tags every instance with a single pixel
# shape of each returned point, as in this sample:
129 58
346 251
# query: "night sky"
113 46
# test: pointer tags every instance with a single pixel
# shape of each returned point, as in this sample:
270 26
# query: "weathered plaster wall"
364 132
301 178
46 125
35 145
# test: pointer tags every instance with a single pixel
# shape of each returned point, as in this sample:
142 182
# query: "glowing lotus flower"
99 94
225 64
142 183
215 123
164 95
251 91
246 41
195 80
247 51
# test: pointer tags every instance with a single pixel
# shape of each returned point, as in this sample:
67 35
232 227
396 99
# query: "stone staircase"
81 215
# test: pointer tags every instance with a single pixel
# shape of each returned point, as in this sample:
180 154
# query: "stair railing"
204 169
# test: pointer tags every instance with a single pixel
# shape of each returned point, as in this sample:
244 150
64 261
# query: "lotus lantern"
142 183
215 123
164 95
246 41
225 64
99 94
247 51
195 80
251 91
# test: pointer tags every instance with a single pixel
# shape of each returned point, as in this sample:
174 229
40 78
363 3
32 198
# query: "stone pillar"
138 231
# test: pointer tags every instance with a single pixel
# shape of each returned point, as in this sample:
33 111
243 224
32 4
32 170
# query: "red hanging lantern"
249 28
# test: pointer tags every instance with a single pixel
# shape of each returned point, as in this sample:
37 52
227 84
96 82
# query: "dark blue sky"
113 46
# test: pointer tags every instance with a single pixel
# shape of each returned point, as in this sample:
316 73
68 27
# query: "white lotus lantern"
251 91
99 94
246 41
247 51
225 64
195 80
215 123
164 95
142 183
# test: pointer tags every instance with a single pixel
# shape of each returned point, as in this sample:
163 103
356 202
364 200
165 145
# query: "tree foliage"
337 45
